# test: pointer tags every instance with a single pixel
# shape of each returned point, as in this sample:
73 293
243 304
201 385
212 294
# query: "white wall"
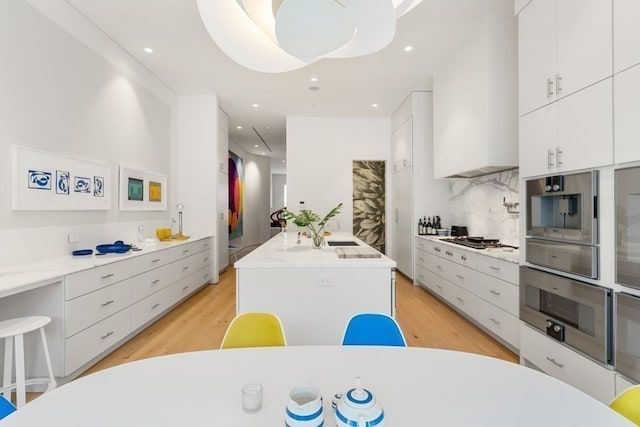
257 179
320 155
278 182
60 96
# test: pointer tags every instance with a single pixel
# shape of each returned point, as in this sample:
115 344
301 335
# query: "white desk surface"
416 387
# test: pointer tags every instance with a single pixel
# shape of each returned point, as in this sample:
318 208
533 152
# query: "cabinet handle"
205 276
460 276
460 299
494 268
550 162
421 259
559 161
107 335
155 260
550 91
104 304
496 293
186 251
155 282
449 253
206 245
185 268
497 322
558 364
106 276
558 84
437 249
463 257
185 288
206 259
439 267
154 306
439 287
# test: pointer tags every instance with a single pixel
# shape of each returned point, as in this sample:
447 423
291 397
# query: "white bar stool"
13 330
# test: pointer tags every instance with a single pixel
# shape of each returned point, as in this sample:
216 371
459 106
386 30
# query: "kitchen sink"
342 243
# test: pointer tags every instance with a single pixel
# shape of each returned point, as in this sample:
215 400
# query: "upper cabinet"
564 46
626 34
475 101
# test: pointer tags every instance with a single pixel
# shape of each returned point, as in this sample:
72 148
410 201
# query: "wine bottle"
424 225
438 223
429 226
420 227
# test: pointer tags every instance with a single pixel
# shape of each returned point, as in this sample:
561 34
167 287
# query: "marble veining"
478 204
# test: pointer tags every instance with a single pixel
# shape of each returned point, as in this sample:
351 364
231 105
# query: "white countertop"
23 277
283 251
415 386
512 256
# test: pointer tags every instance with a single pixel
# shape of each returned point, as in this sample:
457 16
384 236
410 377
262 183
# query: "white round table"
415 386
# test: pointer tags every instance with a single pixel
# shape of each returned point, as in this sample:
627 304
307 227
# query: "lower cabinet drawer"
84 346
190 283
498 292
503 324
151 307
462 299
152 281
566 365
84 311
431 281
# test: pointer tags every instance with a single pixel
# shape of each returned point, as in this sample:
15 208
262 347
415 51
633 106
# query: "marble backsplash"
478 204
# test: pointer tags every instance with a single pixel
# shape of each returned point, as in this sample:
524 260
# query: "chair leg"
8 367
21 392
52 380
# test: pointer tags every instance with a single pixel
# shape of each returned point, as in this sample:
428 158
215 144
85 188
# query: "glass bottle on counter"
429 226
438 225
424 225
420 227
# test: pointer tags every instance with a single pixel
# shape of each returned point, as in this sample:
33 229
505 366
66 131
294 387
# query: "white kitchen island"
313 291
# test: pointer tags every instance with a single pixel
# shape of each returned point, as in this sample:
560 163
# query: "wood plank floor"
200 323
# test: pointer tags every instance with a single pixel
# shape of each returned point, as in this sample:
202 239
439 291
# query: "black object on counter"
459 230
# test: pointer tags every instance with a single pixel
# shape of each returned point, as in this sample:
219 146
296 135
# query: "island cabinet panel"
314 304
481 286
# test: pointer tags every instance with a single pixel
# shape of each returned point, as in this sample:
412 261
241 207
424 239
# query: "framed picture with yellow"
142 190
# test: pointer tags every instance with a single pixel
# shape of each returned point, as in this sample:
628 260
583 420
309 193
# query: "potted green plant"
309 219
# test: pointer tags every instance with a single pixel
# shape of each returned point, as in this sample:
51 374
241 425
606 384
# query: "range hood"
485 170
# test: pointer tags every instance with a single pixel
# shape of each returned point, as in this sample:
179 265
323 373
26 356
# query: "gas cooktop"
477 242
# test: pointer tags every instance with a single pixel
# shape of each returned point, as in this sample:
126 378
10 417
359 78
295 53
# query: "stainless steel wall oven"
627 189
627 345
575 313
562 223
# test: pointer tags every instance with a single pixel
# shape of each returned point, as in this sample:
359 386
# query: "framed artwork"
369 194
236 196
43 181
142 190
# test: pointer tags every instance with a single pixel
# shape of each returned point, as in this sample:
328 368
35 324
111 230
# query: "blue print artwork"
62 182
39 180
98 186
82 185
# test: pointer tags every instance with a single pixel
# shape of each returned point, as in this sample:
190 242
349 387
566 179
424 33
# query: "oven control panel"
555 330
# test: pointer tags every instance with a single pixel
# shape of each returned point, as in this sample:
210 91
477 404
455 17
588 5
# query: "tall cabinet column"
222 217
415 192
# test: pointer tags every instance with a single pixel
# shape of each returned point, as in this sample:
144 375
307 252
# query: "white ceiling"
187 60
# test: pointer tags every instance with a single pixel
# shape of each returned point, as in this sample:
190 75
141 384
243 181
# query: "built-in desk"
97 302
313 291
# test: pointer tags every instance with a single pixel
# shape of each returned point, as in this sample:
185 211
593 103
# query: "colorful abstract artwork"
135 189
236 196
155 191
369 193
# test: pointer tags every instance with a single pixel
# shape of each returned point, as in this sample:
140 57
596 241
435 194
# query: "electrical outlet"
73 237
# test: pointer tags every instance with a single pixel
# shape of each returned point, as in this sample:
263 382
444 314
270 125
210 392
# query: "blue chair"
373 329
6 407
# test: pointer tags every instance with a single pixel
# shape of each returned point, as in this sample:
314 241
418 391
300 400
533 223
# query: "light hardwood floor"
200 322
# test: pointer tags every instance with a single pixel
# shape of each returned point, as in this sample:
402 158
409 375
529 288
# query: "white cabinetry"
475 101
105 305
573 133
539 351
415 192
627 113
626 34
564 46
482 287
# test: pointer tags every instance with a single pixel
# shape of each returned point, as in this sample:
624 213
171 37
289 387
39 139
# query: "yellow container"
163 234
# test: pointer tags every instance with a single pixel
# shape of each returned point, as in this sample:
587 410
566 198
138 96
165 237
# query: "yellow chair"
627 404
254 330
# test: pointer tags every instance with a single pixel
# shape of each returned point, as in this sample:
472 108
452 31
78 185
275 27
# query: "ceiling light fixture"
275 36
374 105
314 79
408 48
148 50
255 105
238 127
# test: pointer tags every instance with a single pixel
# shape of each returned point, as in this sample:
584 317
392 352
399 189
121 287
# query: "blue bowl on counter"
118 247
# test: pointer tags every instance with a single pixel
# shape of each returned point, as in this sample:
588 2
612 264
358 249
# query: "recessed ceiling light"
256 146
148 50
314 79
238 127
408 48
255 105
263 153
267 127
284 161
374 105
